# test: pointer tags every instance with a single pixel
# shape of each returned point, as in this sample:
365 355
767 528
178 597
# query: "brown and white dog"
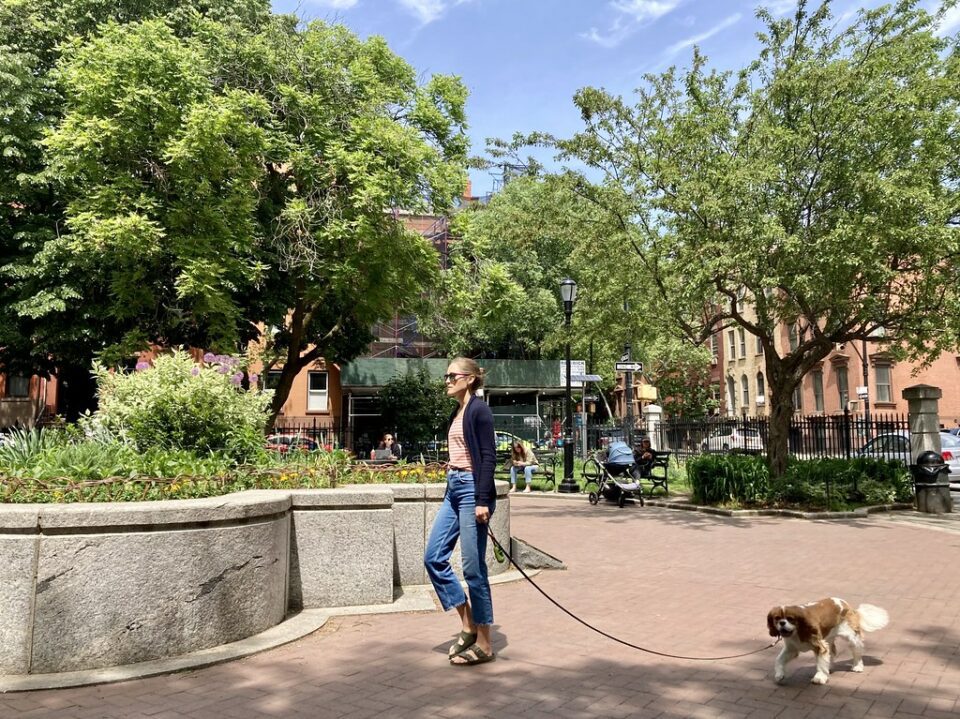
816 626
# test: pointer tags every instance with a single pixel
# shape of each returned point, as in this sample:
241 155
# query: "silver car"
896 445
733 439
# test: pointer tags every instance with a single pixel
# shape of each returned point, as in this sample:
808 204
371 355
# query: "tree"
228 182
499 297
415 407
816 189
32 210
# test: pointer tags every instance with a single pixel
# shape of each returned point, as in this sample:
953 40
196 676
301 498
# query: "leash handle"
610 636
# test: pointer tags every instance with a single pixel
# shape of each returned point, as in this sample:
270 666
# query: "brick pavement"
677 582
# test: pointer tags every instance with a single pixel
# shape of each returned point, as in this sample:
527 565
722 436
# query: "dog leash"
610 636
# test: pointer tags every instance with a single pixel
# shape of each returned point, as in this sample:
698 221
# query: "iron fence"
325 431
843 435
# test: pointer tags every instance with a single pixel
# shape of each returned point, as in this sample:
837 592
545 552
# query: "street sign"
585 378
625 357
629 366
590 398
862 391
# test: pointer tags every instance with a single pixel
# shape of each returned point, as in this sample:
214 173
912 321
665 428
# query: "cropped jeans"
528 471
457 520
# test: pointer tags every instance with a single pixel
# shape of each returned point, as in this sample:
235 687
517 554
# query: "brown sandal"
464 641
478 657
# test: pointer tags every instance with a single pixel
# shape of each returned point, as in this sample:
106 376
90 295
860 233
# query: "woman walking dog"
467 505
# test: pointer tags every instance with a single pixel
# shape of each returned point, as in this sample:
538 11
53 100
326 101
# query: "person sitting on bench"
645 456
521 456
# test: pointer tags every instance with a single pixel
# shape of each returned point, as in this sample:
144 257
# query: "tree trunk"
780 383
778 441
282 391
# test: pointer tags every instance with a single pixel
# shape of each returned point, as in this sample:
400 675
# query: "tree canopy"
215 178
816 188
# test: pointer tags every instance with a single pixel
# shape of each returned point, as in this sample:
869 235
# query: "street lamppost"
568 292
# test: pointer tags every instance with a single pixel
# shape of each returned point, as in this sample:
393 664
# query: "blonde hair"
470 367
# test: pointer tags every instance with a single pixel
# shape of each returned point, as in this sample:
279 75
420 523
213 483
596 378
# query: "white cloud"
337 4
630 15
696 39
645 9
780 7
426 10
950 22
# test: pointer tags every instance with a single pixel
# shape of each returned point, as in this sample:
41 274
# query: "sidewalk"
676 582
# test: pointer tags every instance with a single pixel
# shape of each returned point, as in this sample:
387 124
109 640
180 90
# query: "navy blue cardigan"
481 444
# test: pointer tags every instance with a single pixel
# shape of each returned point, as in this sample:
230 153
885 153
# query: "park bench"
657 473
544 479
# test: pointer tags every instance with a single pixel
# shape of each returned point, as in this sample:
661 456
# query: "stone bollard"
653 414
932 489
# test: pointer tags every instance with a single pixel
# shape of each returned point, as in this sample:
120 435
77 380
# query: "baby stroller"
617 476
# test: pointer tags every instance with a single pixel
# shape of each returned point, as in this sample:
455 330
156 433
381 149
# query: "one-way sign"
629 366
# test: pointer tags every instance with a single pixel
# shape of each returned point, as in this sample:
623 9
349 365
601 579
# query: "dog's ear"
771 623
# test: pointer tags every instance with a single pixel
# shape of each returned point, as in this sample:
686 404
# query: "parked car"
896 446
505 440
733 439
284 443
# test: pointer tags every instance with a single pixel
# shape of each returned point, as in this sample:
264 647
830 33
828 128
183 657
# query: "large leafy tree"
33 34
227 181
817 188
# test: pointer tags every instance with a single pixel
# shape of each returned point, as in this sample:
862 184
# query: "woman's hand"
482 514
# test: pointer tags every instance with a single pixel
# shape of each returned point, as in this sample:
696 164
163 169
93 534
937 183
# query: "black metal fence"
325 431
842 435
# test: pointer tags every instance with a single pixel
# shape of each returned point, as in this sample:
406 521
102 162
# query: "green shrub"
178 404
723 478
841 483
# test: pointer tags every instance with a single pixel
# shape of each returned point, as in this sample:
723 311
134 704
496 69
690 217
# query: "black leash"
610 636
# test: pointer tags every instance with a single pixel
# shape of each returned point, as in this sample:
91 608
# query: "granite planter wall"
85 586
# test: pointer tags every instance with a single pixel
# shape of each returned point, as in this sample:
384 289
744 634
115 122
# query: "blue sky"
523 60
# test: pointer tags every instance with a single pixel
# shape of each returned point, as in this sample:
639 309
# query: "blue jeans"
527 474
457 520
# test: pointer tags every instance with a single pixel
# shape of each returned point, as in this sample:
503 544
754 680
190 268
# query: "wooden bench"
544 479
657 472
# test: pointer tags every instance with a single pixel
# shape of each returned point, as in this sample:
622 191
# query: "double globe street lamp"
568 292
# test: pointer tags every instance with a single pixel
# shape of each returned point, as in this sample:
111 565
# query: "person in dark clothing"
390 443
466 509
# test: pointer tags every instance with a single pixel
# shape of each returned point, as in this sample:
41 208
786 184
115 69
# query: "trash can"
930 483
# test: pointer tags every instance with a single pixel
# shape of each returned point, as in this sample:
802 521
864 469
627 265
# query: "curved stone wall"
85 586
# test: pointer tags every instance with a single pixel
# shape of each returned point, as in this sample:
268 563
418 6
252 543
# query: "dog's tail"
872 618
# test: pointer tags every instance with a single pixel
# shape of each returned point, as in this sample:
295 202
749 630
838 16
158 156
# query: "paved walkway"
678 582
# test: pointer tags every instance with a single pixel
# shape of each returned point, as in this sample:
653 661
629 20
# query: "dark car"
284 443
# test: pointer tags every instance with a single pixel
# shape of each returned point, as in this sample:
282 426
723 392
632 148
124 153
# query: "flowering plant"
178 404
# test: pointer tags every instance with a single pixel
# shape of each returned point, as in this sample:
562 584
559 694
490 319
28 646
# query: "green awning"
501 374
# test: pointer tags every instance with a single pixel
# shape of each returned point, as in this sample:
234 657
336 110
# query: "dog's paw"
778 677
819 678
858 667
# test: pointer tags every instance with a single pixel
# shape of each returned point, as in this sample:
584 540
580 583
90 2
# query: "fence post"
847 440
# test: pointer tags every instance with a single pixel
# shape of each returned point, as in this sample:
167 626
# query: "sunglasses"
452 377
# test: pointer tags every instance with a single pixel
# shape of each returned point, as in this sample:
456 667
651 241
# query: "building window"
743 342
818 391
759 345
732 339
798 397
317 392
745 388
761 388
882 379
732 393
18 386
843 388
715 345
793 337
272 380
